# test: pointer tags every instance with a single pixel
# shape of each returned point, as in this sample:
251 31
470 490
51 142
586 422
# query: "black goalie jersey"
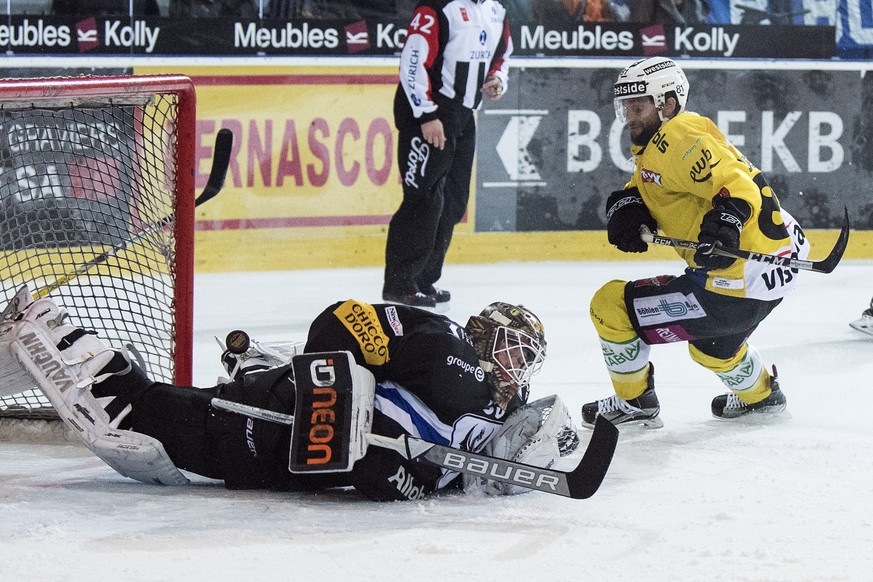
428 384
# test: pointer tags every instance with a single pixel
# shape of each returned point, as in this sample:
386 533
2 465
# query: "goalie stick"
220 163
580 483
825 265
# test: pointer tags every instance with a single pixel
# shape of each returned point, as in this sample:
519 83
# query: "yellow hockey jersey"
681 170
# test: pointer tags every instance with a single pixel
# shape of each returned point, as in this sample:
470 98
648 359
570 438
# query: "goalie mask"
511 345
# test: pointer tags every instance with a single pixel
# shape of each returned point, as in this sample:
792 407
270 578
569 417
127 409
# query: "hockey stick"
220 162
825 265
580 483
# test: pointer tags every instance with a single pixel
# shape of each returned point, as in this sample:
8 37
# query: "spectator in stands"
669 11
327 9
105 7
213 8
518 11
558 13
28 7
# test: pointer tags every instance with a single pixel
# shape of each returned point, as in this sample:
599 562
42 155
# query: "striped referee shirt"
451 48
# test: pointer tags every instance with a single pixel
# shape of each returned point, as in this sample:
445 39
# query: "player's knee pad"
625 354
609 314
64 362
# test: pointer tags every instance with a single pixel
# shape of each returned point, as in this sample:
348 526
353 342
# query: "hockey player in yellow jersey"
689 182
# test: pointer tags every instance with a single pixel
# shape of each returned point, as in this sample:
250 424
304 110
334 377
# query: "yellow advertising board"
314 157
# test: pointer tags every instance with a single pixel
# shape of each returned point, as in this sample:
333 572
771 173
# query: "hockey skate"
66 363
728 406
865 322
440 296
641 411
416 299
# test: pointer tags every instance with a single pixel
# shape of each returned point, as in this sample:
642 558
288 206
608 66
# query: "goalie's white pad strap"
133 455
538 434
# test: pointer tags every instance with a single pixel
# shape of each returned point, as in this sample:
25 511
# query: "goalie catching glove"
253 356
540 434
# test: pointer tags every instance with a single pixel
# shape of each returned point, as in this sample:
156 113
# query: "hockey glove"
625 214
721 226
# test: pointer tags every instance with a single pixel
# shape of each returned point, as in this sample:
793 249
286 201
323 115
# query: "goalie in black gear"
435 379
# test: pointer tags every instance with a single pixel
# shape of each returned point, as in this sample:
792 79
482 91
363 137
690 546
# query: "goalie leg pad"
333 412
66 375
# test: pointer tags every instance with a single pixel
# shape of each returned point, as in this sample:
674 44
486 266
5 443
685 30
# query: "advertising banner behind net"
90 35
550 152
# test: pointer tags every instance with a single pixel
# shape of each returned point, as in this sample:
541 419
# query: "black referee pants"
436 189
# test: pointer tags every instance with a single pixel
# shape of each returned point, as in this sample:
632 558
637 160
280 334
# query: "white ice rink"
697 500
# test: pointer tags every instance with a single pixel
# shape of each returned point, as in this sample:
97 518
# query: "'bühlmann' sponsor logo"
51 368
250 35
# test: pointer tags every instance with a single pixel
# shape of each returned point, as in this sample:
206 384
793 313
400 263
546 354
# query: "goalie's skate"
865 322
17 304
729 406
641 411
65 362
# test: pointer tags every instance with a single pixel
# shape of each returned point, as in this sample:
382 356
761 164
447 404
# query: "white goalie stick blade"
580 483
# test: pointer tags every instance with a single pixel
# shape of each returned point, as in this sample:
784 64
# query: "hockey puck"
237 341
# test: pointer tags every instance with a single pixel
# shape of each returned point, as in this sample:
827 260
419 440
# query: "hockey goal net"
97 212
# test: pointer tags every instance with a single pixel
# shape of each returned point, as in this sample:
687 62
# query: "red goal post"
97 211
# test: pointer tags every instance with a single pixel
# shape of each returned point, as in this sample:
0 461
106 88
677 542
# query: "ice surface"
700 499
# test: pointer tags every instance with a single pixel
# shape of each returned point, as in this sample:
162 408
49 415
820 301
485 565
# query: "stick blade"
585 479
829 263
220 163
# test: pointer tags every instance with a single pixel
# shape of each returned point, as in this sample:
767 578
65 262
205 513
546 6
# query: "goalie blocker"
333 412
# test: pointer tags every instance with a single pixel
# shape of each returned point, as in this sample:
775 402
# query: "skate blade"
757 417
439 308
641 425
862 328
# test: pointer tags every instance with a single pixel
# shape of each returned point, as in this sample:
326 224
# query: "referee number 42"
422 23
